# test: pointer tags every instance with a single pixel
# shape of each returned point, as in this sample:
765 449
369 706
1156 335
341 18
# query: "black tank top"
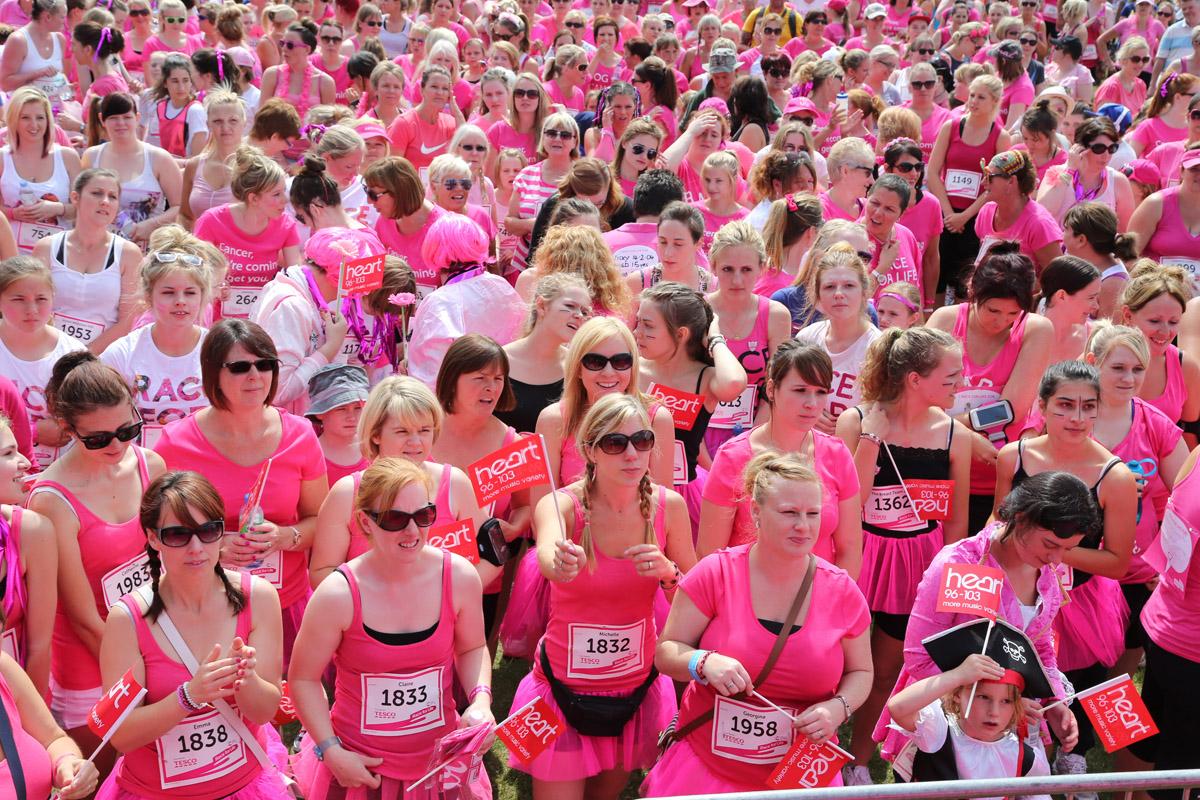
531 399
692 439
1091 541
887 495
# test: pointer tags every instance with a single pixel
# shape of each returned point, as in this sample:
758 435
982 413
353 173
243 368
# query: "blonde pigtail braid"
645 492
585 538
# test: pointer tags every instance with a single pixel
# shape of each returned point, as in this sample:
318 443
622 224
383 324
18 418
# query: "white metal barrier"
1119 783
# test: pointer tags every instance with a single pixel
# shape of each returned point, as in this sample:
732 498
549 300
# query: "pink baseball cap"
1143 171
241 56
837 6
371 130
716 104
1191 158
800 105
694 3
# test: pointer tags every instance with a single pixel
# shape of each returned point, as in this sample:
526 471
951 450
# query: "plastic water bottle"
256 518
28 195
843 100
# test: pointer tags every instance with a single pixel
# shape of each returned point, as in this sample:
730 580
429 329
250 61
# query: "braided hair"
180 492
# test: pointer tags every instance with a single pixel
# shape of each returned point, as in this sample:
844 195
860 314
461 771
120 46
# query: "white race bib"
201 748
1089 53
424 290
242 300
8 643
150 435
124 579
1190 265
888 507
44 455
30 233
85 330
679 469
967 399
601 652
634 257
401 705
750 734
739 411
269 569
963 183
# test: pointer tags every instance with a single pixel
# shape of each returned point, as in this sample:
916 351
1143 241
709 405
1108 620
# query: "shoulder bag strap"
11 754
232 717
776 650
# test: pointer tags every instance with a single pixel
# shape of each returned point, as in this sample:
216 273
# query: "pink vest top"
983 384
1174 395
395 701
965 158
35 761
606 646
202 756
16 597
1171 237
114 559
359 543
754 351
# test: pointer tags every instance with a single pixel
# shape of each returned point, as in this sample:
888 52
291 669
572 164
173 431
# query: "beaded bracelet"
478 690
845 703
700 667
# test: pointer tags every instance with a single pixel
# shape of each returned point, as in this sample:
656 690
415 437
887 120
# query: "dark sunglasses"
473 148
581 67
594 362
145 12
331 39
818 21
1139 59
99 441
1101 149
374 194
578 25
374 23
865 255
260 364
180 535
1166 15
638 149
290 45
555 133
504 37
772 31
1029 42
926 51
616 443
1029 5
1195 115
450 184
929 84
907 167
778 73
393 520
528 93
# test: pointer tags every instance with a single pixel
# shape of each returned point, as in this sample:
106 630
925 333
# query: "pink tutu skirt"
893 567
572 756
316 782
528 609
268 784
1091 627
681 772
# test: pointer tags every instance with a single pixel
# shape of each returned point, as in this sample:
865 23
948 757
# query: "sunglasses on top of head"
393 520
101 440
616 443
594 362
180 535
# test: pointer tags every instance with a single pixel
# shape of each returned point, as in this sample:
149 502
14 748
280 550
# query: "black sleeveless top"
1091 541
920 463
695 437
531 399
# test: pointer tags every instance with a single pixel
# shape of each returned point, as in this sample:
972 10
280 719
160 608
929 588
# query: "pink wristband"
478 690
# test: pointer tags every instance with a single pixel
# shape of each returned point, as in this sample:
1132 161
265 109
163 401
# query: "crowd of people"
804 303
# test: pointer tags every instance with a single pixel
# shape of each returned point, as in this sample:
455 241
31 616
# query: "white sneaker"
1072 764
856 776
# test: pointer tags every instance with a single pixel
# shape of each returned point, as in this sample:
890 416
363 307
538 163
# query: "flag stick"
562 531
450 760
1096 688
794 719
974 686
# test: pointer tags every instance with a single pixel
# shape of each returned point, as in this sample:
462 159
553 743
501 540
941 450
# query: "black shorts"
958 252
1136 595
1174 704
894 625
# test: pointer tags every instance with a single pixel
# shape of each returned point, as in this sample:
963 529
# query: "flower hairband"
792 205
511 20
313 132
1162 90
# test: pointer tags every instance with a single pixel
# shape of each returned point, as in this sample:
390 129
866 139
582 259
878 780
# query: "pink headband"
371 130
1162 91
105 35
901 299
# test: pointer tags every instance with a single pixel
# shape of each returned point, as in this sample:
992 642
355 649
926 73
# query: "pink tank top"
754 351
983 384
1171 237
202 756
606 148
114 559
571 462
1174 395
962 173
16 597
394 701
360 544
608 646
341 75
35 761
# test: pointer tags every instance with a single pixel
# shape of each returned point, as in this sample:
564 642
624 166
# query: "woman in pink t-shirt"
175 738
729 615
91 496
558 146
720 178
401 620
923 215
799 379
397 192
255 235
402 419
1141 24
895 255
566 76
923 85
231 442
1011 213
590 546
1125 86
528 106
1166 118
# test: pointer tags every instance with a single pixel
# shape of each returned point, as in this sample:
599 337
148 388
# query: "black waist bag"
596 715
